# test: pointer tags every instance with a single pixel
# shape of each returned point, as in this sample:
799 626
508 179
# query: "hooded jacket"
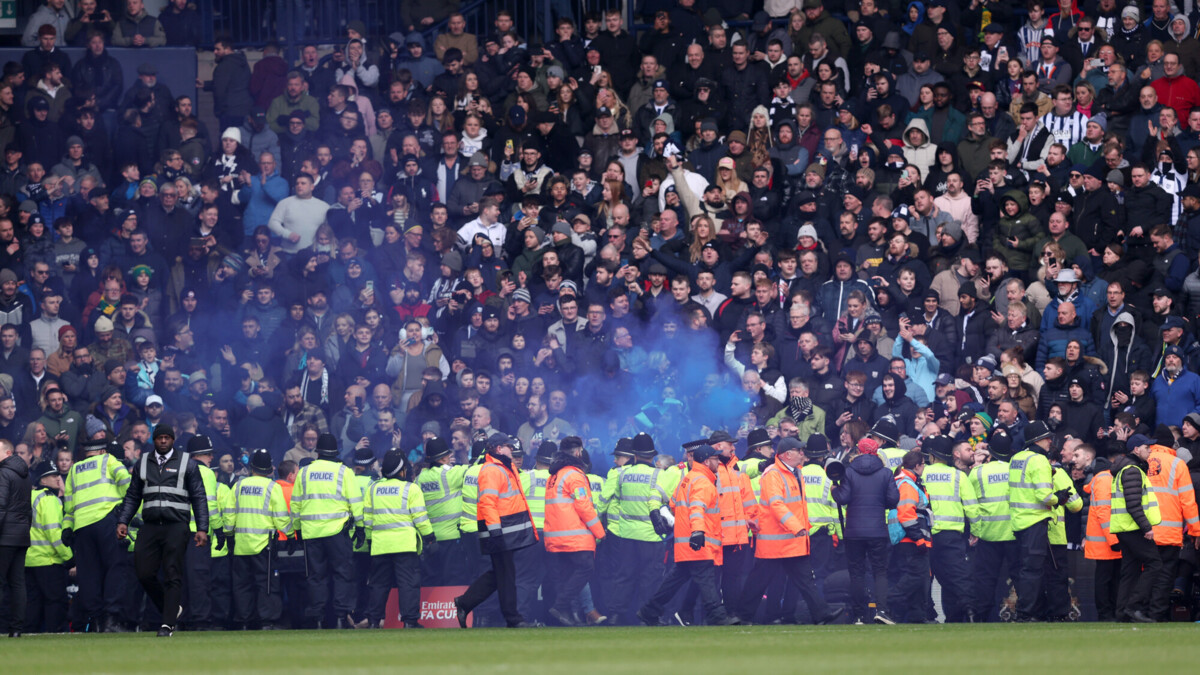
1124 359
1024 227
923 156
867 492
1054 340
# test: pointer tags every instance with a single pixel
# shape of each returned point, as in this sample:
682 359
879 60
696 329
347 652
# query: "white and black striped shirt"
1067 130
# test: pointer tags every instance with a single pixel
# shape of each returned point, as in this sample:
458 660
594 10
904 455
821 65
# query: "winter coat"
867 492
1054 340
1177 398
231 87
1024 227
16 513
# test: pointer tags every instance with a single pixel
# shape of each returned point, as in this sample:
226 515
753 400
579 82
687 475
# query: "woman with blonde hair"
759 139
727 179
607 96
703 231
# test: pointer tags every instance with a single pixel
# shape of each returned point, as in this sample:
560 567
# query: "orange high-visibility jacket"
906 509
696 510
738 505
783 515
1097 540
1172 485
505 523
571 521
287 499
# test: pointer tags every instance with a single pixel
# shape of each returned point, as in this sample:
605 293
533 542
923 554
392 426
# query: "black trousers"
1141 566
738 560
197 591
906 598
362 577
637 573
572 571
449 565
1107 583
993 564
46 590
702 574
531 570
500 579
330 558
797 570
1033 545
221 589
102 570
1160 592
948 561
12 581
257 593
162 547
861 554
401 571
1056 587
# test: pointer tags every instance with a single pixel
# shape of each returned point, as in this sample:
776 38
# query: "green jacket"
813 424
1024 227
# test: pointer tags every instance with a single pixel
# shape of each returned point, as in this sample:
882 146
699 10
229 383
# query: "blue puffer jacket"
867 492
1055 339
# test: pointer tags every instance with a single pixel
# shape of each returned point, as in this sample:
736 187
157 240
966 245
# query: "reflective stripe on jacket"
783 519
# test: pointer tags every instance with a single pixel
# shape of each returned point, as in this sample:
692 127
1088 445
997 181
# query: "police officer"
256 512
994 559
1031 498
200 593
364 459
505 526
631 494
398 525
953 502
1057 587
326 506
168 488
442 485
698 527
888 434
93 490
1132 519
531 561
47 562
467 524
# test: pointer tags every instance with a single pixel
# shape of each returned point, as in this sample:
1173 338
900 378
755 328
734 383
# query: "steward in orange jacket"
1099 543
505 526
782 546
572 527
697 542
1172 486
739 509
906 597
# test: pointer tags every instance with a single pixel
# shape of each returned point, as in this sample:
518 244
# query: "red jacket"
1180 92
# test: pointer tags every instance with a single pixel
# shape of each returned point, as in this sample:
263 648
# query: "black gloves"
913 533
219 535
68 537
430 543
1063 496
360 537
696 541
660 525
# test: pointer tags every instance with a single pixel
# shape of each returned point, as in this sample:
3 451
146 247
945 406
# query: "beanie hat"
164 430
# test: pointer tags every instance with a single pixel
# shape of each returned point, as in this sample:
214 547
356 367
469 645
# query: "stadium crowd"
819 237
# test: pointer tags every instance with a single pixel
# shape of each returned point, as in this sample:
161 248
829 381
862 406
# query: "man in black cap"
995 556
1031 498
1141 564
697 542
45 566
505 526
441 484
168 487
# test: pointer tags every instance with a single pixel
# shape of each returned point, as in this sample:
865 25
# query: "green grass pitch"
958 649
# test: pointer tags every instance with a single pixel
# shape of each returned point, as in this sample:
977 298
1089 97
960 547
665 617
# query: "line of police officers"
723 518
